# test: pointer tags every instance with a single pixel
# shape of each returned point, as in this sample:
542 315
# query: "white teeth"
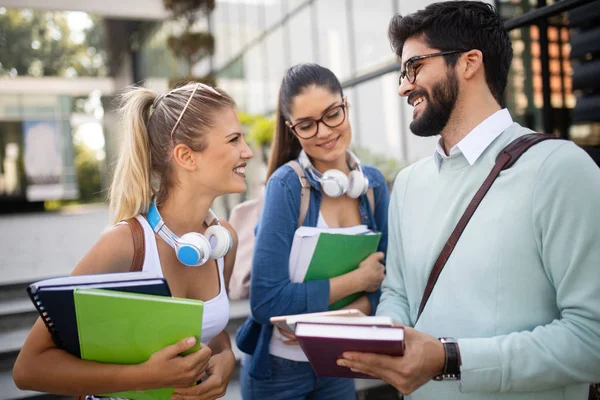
240 170
418 101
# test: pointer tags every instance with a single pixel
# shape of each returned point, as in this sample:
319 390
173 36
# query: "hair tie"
156 101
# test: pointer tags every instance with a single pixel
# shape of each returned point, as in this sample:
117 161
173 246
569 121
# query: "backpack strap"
139 246
371 198
305 192
505 159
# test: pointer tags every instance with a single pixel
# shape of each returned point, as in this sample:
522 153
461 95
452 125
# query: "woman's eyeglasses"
308 128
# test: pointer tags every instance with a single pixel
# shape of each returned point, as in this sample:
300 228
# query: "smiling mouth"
330 143
240 171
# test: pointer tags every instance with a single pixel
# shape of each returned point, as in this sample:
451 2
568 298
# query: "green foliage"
262 131
189 9
388 166
191 47
89 174
41 44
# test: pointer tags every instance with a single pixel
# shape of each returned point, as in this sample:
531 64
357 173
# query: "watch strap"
452 360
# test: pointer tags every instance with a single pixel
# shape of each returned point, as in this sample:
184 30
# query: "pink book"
324 339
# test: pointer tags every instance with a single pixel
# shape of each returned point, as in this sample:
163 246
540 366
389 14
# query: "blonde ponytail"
131 189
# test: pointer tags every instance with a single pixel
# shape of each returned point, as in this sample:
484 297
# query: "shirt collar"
474 144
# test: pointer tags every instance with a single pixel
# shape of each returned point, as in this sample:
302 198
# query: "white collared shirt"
476 141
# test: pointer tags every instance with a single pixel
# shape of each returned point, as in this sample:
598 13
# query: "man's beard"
438 107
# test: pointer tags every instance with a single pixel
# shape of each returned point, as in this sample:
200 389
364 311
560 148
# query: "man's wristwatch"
452 363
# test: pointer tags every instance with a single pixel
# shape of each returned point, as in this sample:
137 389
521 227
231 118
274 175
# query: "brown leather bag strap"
507 157
139 246
304 194
139 251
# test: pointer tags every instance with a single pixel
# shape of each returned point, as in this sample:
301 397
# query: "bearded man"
515 312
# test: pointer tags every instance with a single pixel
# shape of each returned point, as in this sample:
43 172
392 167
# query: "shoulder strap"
371 197
139 247
507 157
304 194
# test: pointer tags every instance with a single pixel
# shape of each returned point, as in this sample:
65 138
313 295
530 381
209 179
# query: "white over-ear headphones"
193 249
334 182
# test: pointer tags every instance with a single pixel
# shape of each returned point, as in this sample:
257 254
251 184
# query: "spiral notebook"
53 298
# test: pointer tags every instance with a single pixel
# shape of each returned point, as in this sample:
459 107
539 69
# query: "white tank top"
216 310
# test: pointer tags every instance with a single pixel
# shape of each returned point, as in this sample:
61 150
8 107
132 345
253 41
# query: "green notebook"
127 328
325 253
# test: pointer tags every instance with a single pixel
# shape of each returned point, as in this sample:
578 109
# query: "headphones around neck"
334 182
193 249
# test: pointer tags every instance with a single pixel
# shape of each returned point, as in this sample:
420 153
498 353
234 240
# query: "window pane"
370 33
334 52
273 12
254 83
300 29
275 66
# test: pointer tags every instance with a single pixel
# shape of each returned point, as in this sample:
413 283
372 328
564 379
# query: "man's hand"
219 371
423 359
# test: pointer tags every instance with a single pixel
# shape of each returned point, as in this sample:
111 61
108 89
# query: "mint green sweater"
521 292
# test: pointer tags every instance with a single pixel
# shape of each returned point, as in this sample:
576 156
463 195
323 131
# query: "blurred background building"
63 62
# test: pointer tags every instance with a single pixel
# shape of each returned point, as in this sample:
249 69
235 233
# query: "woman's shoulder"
374 175
112 252
285 175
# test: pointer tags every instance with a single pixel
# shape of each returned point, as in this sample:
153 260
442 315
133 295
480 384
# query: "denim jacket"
271 291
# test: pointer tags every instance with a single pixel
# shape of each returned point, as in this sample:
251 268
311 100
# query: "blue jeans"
293 380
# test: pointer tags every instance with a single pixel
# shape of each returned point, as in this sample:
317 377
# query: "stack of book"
116 318
319 253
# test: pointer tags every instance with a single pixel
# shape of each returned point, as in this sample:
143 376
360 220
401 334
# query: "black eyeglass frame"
342 106
410 61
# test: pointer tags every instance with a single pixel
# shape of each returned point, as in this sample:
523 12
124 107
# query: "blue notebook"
53 298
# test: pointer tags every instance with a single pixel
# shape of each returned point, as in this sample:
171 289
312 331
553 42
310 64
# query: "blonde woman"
180 151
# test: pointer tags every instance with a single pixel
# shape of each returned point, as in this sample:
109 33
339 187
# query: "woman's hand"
290 336
167 368
371 272
219 371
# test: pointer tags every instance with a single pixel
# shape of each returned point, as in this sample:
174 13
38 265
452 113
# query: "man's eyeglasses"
410 70
308 128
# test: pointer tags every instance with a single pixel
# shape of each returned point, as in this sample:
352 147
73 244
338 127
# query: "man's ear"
473 63
185 157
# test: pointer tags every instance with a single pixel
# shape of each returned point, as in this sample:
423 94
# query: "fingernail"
341 363
191 340
347 356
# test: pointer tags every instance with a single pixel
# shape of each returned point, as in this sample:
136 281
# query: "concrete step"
239 310
12 341
9 391
16 306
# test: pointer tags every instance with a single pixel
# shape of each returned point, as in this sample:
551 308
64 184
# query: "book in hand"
288 322
53 298
127 328
324 253
325 339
